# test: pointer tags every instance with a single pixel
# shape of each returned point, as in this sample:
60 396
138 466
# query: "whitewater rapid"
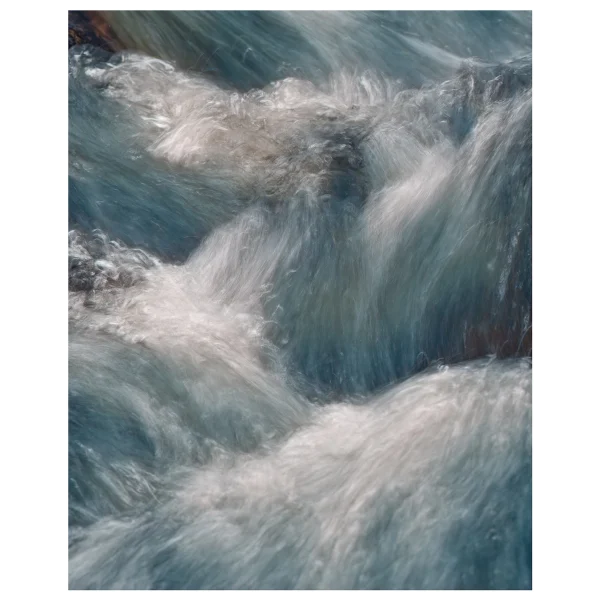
300 302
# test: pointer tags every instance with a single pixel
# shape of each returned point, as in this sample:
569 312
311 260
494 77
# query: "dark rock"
88 27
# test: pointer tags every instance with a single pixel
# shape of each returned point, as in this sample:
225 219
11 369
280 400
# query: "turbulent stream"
300 302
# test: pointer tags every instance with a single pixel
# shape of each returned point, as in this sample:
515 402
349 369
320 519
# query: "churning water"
300 302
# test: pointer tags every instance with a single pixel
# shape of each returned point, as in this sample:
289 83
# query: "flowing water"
300 302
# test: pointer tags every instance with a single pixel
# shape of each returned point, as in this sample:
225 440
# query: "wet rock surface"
88 27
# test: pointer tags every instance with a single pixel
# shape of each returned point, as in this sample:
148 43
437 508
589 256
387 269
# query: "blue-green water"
300 279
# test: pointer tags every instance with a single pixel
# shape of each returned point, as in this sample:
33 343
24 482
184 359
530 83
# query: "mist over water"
300 302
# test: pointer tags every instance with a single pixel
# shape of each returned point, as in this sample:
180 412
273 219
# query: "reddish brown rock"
89 27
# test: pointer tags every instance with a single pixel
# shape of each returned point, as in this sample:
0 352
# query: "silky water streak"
300 301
